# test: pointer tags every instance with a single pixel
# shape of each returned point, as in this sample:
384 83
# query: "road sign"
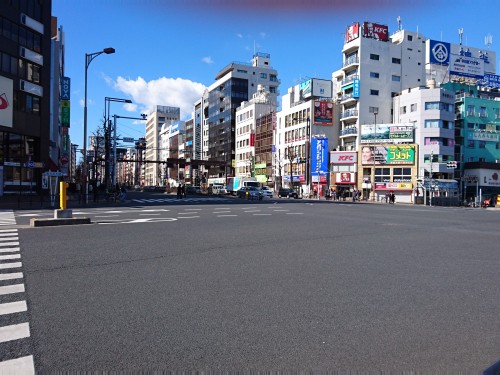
128 139
30 164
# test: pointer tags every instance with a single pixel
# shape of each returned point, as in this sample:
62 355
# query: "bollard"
63 196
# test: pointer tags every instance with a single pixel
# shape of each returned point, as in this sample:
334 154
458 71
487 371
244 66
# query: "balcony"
350 61
349 131
347 97
349 79
349 113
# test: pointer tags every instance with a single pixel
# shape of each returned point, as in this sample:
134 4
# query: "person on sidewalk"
123 193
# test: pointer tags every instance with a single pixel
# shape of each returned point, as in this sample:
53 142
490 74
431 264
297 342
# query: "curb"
57 222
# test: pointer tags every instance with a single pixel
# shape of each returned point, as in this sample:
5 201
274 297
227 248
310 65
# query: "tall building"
254 137
304 134
375 67
25 86
235 83
158 117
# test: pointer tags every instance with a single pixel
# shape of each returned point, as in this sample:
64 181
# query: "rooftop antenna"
460 34
399 23
488 40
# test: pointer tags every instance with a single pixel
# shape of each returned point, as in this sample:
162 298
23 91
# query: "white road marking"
9 250
8 230
9 243
226 215
14 332
22 365
262 214
150 214
13 307
10 256
295 213
221 212
4 266
106 216
11 289
281 210
2 239
11 276
188 217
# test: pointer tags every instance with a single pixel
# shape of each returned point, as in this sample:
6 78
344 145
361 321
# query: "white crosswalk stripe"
13 303
7 217
165 200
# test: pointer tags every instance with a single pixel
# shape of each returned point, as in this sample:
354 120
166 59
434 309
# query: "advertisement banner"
352 32
66 88
466 66
321 88
483 136
6 101
386 133
323 113
376 31
491 81
390 154
355 88
343 157
319 156
393 186
441 53
306 89
65 113
346 178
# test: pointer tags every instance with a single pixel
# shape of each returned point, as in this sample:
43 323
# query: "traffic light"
451 164
140 144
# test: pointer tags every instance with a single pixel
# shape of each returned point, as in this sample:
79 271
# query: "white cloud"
173 92
239 35
207 60
263 35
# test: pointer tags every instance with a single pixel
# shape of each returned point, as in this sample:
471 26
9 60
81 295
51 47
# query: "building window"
395 60
374 57
410 38
497 113
396 78
374 75
413 107
431 124
482 144
403 109
373 92
470 143
263 75
470 110
401 175
382 174
482 112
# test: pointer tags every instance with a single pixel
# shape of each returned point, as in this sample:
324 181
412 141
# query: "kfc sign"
376 31
352 32
346 178
342 157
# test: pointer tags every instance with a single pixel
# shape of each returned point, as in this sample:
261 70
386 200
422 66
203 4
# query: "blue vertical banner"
355 89
319 157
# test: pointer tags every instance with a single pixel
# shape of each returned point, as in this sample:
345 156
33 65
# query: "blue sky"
168 51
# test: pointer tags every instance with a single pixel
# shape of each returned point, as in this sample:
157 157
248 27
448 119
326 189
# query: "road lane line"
295 213
226 215
13 307
188 217
14 332
9 243
262 214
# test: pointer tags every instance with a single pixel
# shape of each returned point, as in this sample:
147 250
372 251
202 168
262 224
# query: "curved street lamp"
88 59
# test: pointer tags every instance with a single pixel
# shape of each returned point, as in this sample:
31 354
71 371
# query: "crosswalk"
7 217
15 356
166 200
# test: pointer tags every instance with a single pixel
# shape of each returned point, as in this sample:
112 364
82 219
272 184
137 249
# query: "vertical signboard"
6 101
323 113
352 32
355 88
319 157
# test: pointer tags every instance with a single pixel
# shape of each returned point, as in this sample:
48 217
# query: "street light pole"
88 59
375 113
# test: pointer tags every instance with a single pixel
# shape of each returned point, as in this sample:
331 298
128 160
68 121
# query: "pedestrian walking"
183 191
123 193
179 191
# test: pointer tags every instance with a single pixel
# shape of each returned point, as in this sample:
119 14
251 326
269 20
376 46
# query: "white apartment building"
375 68
156 119
172 146
258 111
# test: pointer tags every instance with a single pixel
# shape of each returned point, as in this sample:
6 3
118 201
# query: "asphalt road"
289 284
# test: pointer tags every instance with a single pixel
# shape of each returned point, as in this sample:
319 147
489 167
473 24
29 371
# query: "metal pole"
114 151
430 180
84 169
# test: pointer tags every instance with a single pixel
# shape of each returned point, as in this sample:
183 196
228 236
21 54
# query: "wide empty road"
290 285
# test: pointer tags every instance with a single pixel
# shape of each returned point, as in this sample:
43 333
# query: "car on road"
267 192
250 192
287 193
